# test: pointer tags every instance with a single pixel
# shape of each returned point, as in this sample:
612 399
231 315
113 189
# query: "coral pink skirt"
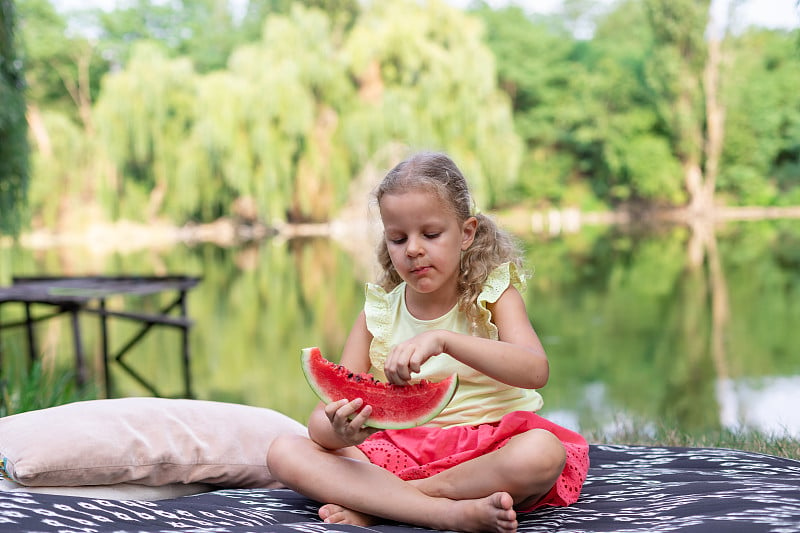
421 452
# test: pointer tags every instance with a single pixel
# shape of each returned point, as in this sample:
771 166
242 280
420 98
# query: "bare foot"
494 513
336 514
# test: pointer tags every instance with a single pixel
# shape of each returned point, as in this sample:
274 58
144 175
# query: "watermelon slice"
393 406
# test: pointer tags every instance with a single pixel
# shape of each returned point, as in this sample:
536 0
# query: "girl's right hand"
348 422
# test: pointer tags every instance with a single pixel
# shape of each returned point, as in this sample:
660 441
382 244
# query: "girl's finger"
401 375
358 421
333 407
415 364
348 409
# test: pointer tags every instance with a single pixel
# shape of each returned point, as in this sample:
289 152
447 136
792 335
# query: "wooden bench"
73 295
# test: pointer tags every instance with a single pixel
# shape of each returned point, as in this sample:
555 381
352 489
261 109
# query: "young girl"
449 301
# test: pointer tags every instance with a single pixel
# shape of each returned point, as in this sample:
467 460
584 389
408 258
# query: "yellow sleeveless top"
479 398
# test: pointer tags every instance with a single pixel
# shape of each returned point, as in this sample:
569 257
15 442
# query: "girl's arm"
330 425
517 358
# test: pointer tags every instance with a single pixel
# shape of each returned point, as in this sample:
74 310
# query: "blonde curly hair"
492 246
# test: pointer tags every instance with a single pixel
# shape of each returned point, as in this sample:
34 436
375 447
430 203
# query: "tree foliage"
433 87
761 159
537 68
296 115
62 68
629 112
202 30
190 110
14 170
584 108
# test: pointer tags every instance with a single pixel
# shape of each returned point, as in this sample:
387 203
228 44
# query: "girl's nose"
413 247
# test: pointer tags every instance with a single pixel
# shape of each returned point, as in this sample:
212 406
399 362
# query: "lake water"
661 326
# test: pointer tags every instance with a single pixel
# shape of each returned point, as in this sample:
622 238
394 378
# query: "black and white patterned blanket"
629 489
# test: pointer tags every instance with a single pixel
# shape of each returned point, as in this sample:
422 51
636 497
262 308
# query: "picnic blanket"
628 489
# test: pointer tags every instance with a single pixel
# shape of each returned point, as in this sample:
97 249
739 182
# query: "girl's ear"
468 230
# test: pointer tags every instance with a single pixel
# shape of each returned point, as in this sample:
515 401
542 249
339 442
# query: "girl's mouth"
420 270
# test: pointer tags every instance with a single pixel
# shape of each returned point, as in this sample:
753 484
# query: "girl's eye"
401 240
432 235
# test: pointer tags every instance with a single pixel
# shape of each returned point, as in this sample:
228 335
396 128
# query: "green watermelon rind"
307 356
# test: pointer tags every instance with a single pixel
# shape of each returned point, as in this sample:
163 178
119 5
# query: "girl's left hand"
408 356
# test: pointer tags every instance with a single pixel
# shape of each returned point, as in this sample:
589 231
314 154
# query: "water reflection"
664 326
769 404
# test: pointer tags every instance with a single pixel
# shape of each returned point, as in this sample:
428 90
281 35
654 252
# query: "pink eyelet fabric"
424 451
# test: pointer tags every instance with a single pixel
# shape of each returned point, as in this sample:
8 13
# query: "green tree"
207 31
537 69
141 20
342 13
14 171
636 149
582 106
297 139
210 33
636 113
682 71
761 157
295 117
426 78
203 30
144 113
62 69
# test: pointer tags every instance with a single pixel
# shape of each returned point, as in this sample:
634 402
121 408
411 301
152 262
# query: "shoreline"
125 235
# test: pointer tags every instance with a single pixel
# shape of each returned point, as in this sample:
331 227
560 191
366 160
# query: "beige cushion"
145 441
118 491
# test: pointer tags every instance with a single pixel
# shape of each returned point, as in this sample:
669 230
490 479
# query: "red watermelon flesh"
393 406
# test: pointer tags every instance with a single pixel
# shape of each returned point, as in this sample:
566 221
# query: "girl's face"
425 240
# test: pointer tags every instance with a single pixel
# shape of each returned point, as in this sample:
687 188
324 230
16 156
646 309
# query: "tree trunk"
695 185
701 177
39 131
79 86
715 120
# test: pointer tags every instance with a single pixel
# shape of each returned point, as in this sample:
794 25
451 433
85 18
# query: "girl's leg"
341 478
527 467
513 468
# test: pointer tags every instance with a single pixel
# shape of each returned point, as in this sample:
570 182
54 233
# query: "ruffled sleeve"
496 284
378 311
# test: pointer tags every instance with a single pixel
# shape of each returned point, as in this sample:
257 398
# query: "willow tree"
13 127
427 78
304 72
263 130
267 128
296 116
143 115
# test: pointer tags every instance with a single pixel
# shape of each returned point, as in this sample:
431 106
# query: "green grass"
782 446
34 388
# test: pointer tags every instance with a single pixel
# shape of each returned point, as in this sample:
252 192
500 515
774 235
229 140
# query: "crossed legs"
479 495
